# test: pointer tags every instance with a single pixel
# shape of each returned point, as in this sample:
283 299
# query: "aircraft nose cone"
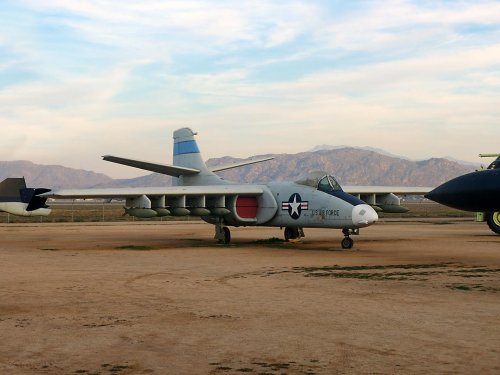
363 215
477 191
441 194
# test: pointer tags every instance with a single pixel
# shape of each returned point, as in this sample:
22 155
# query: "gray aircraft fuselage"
316 203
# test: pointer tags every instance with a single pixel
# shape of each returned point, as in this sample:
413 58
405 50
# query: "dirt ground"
413 297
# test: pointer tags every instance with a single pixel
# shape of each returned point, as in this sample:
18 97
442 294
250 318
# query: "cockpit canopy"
495 164
321 181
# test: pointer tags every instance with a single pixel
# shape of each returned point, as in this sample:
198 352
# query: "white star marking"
295 206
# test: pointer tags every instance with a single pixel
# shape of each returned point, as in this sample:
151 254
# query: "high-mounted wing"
170 170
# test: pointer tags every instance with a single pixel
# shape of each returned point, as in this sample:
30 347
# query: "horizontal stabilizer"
32 197
170 170
236 165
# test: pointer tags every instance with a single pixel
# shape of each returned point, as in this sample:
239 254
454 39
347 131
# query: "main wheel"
493 220
289 233
227 236
347 243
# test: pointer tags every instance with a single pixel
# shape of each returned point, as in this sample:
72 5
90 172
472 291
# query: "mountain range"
351 166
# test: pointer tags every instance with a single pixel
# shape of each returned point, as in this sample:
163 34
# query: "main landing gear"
293 233
222 233
493 220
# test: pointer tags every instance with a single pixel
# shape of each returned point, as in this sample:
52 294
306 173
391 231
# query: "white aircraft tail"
189 167
187 155
17 199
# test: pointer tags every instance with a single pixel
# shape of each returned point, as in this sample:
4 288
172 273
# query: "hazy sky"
80 79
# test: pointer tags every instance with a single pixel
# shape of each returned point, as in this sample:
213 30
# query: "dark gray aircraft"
477 191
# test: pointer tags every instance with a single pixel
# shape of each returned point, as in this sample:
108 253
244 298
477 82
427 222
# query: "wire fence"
81 212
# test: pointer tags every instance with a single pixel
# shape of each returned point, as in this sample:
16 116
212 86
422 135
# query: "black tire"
347 243
227 236
493 220
291 233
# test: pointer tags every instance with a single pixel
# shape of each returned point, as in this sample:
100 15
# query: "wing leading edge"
399 190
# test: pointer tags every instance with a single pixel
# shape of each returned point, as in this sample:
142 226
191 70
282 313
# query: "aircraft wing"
385 198
398 190
169 191
220 200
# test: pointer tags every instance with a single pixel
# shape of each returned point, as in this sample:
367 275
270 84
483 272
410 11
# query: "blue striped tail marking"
187 147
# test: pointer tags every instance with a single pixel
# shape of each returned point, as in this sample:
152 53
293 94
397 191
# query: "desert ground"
414 296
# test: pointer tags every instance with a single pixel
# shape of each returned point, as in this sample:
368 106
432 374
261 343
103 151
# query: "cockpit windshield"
322 181
495 164
329 184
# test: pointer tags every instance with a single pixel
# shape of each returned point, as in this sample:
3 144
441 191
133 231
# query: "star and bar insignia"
295 205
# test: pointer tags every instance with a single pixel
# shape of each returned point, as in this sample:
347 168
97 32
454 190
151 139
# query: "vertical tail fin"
187 154
186 151
10 188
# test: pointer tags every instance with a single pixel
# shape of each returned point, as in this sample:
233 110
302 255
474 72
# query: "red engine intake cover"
246 207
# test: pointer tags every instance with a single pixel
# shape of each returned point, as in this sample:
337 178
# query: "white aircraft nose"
363 215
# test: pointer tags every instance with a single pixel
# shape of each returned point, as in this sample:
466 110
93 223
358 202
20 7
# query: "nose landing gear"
347 242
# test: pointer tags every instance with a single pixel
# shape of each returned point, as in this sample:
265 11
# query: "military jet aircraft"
17 199
477 191
317 201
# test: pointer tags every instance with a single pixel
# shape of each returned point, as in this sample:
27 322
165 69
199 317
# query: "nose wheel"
347 242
